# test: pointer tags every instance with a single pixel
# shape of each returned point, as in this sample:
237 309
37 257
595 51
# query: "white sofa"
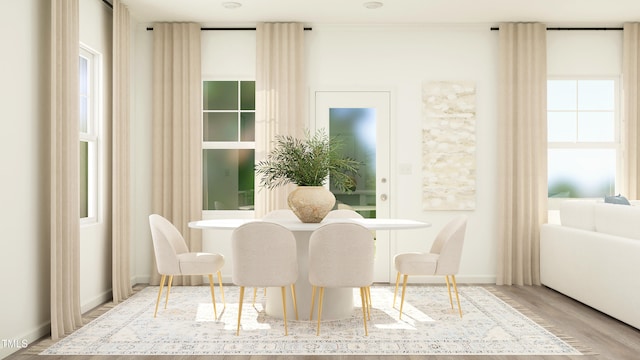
594 257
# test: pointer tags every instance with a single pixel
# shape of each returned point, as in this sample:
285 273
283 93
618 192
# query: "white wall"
584 53
24 157
141 154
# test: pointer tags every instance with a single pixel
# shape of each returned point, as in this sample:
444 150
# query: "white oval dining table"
338 302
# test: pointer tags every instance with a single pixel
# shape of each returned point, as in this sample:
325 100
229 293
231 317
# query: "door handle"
383 197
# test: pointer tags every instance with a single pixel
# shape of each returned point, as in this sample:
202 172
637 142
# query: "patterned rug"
429 326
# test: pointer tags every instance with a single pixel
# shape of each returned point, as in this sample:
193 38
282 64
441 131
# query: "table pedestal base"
337 303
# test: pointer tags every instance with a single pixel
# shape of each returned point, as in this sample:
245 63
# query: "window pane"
228 178
220 126
84 75
561 126
248 95
220 95
248 126
355 128
84 179
578 173
84 93
596 126
561 95
596 95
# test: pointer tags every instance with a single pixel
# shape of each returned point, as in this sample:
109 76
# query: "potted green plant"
308 163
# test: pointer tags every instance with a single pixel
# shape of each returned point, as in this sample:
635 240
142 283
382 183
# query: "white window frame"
92 135
224 145
554 203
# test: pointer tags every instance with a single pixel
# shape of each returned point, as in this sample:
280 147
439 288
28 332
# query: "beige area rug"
429 326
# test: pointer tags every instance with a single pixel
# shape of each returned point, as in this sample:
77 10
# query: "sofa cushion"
618 220
578 214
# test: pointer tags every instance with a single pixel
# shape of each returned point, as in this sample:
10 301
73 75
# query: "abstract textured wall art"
449 145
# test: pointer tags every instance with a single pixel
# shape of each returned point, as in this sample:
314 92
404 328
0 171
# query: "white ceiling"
309 12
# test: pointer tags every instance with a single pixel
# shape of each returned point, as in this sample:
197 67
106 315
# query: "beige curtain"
281 94
522 151
65 210
121 204
177 132
631 110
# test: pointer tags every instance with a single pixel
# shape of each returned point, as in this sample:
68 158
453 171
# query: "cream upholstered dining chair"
343 214
341 255
173 258
442 259
286 214
264 255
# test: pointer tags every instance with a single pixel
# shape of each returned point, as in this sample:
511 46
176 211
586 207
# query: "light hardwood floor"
602 336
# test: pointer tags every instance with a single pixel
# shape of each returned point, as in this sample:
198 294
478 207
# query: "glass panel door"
360 120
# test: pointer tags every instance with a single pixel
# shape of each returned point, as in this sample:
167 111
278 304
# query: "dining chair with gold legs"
341 255
274 214
264 255
173 258
442 259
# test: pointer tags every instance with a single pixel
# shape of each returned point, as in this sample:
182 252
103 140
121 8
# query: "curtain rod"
109 5
575 29
232 29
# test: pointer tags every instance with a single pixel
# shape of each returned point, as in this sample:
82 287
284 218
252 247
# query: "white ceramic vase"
311 203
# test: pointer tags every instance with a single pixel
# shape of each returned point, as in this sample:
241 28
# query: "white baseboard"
140 279
96 301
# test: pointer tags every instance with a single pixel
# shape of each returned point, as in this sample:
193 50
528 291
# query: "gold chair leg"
404 288
221 288
363 295
313 299
455 287
369 301
395 292
284 310
295 301
159 294
166 301
213 296
320 298
240 309
255 293
446 278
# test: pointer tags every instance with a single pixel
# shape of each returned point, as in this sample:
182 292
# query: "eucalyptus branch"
307 162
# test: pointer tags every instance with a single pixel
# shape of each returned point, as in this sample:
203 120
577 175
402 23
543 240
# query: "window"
89 120
583 137
228 151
